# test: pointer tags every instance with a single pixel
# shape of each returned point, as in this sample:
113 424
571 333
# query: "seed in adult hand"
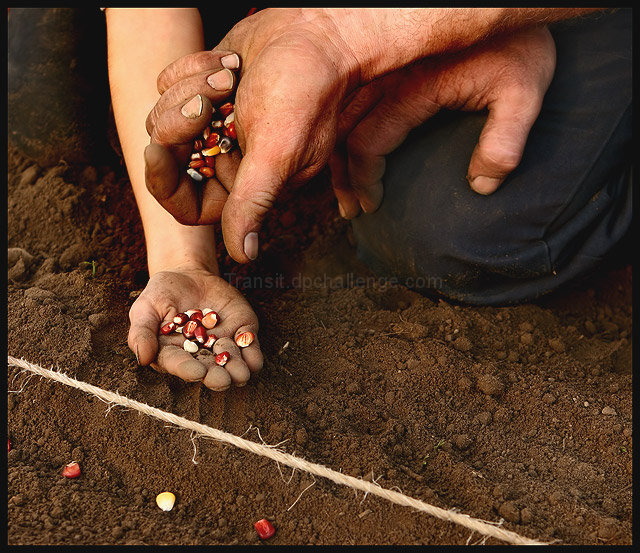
190 346
197 145
222 358
168 328
208 343
210 319
165 500
225 109
213 151
195 156
216 124
226 144
207 172
197 163
194 174
212 141
189 329
230 131
72 470
181 318
264 528
200 334
244 339
229 119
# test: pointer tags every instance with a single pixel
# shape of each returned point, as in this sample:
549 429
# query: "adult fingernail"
137 356
221 80
230 61
343 213
193 108
251 245
484 185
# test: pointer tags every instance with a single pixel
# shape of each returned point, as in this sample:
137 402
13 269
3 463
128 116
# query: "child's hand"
178 118
173 291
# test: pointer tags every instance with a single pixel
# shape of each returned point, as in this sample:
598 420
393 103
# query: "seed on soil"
194 174
222 358
181 318
210 319
244 339
189 330
72 470
168 328
264 528
166 501
208 343
190 346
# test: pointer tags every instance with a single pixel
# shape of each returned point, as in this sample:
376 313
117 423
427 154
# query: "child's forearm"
141 43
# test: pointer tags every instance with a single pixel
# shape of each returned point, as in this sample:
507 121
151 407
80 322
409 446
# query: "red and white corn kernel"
72 470
222 358
264 528
181 318
244 339
208 343
189 329
210 320
200 334
168 328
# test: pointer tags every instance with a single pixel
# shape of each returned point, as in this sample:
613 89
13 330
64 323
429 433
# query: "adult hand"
509 76
293 78
187 287
177 119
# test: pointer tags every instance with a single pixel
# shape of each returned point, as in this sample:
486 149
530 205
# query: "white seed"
190 346
230 119
189 312
166 501
178 330
225 145
194 174
206 310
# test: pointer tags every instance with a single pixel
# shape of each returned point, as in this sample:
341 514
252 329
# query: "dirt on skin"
521 413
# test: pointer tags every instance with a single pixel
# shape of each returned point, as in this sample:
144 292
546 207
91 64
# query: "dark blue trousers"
555 217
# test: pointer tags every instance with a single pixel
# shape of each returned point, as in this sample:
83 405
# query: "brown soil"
496 412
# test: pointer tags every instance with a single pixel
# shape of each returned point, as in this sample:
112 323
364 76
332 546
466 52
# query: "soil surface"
520 413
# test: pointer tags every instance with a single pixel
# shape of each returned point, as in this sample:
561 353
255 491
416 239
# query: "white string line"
482 527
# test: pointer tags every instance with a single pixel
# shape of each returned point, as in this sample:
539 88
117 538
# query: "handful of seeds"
219 137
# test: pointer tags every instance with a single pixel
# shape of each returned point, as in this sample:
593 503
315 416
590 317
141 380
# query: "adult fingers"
503 138
348 203
216 86
255 188
208 60
178 362
190 202
235 366
142 338
183 122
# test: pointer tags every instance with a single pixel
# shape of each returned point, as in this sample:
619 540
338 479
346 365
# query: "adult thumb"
255 188
502 141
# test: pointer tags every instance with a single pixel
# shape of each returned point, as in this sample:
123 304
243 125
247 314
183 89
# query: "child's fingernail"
484 185
230 61
251 245
221 80
193 108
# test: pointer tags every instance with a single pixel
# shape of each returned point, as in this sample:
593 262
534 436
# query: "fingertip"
484 185
217 379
